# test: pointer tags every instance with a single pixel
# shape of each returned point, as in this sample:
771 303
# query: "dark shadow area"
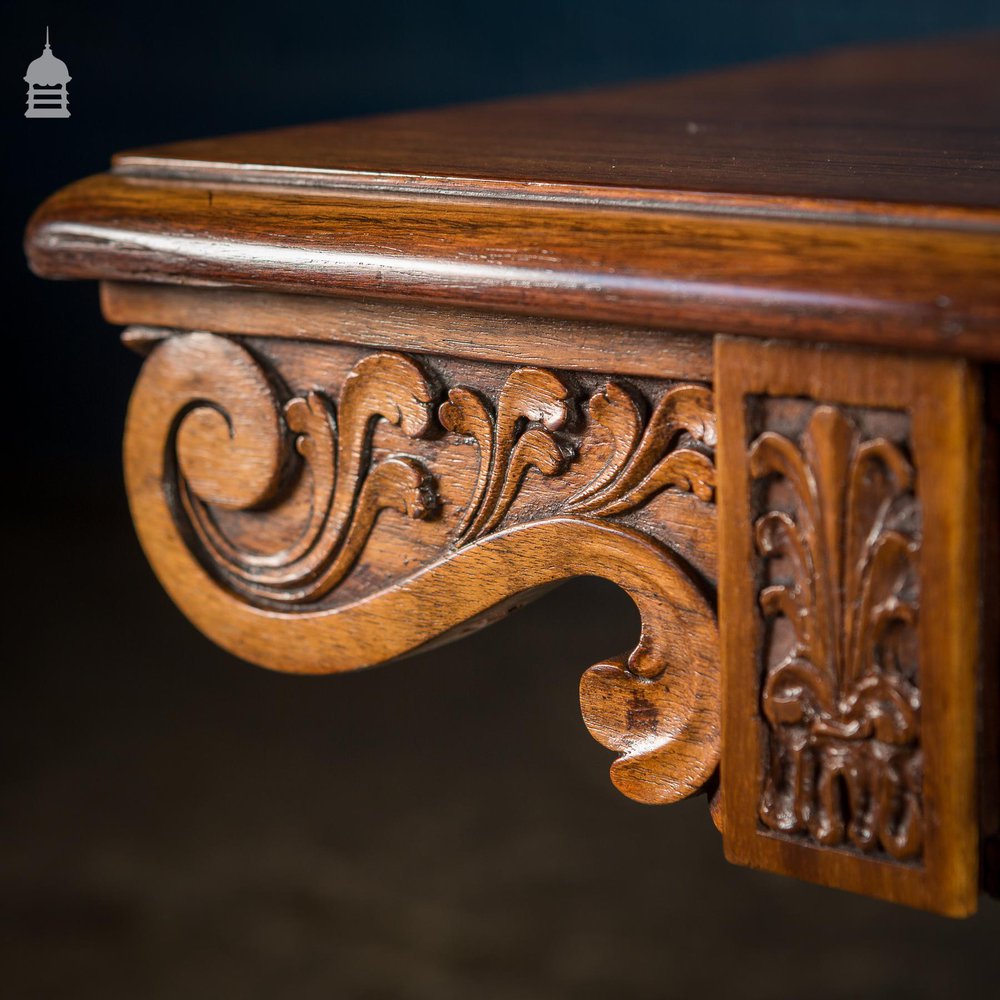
179 824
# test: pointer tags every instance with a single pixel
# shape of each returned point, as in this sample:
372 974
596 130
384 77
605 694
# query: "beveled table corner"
727 341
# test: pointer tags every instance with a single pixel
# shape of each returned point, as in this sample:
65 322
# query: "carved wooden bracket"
319 508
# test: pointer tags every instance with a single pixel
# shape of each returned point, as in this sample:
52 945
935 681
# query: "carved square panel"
849 568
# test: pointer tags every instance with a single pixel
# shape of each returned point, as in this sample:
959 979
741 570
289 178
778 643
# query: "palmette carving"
842 703
232 439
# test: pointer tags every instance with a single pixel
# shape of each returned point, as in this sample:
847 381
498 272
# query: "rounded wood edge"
706 272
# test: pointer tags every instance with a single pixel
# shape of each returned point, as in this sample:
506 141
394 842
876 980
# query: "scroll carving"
840 694
347 492
259 497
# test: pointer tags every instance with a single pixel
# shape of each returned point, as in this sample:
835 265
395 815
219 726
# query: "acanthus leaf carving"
507 446
646 460
644 457
348 492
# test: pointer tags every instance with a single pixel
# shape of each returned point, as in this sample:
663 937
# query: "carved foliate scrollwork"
215 432
532 405
347 491
648 457
841 699
524 432
644 457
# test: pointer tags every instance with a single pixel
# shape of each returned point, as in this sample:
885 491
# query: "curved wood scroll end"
319 510
669 743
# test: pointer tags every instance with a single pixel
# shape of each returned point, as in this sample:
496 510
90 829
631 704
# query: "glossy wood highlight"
916 287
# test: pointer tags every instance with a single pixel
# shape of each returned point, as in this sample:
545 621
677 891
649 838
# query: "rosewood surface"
915 123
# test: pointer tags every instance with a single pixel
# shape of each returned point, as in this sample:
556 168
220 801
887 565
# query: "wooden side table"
727 341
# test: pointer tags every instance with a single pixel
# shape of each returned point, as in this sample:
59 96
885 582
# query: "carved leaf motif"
465 413
508 446
616 422
841 705
645 461
348 492
642 459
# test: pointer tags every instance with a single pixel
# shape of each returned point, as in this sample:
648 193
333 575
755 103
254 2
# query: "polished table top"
915 122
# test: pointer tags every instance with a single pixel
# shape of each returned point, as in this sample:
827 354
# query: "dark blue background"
154 72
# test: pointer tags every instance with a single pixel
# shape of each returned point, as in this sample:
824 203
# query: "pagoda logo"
47 80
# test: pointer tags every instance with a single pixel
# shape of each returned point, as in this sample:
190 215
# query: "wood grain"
324 509
989 697
916 122
922 287
854 471
851 196
401 326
